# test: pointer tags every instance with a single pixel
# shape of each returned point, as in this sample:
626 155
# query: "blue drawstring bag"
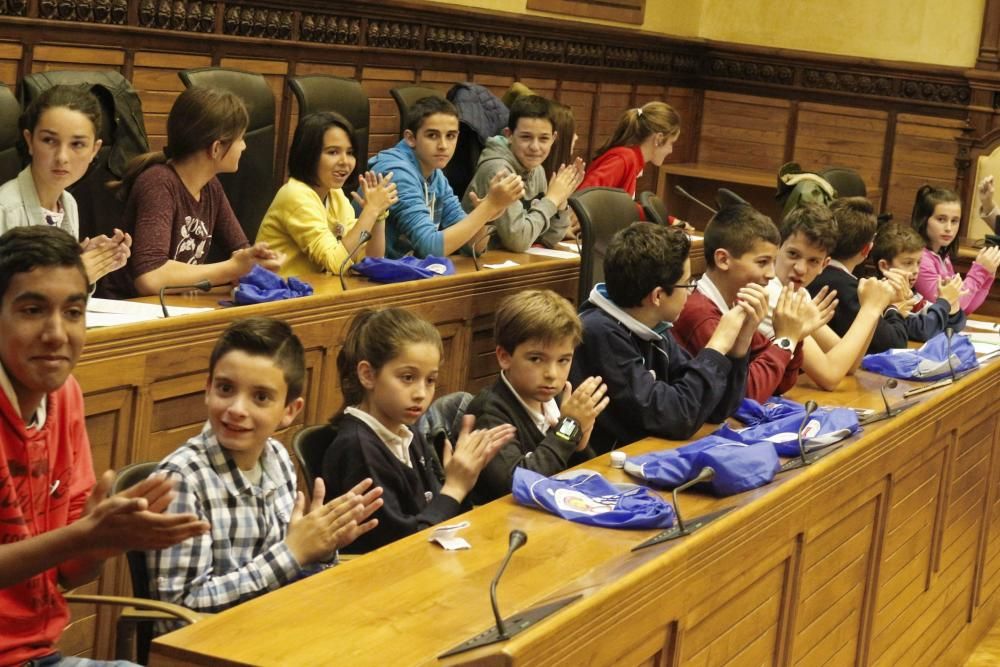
928 362
752 413
382 270
825 427
738 466
584 496
262 286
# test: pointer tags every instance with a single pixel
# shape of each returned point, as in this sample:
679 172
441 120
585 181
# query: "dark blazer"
890 331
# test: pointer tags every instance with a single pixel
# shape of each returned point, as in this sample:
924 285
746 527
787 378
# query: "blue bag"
584 496
261 286
825 427
752 413
928 362
382 270
738 466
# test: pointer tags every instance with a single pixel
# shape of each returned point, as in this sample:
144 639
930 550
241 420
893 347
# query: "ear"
292 411
27 140
722 259
507 133
215 150
883 266
97 147
410 139
503 358
653 298
366 374
826 262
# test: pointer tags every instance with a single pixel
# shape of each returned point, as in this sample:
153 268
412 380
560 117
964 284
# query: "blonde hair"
536 315
636 125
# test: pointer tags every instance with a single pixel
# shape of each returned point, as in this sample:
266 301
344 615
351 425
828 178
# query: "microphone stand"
517 540
688 195
201 285
363 239
804 459
490 231
684 528
954 377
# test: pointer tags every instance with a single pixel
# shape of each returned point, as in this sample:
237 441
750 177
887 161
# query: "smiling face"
42 328
799 261
336 161
245 397
942 226
402 390
537 370
62 146
531 141
435 141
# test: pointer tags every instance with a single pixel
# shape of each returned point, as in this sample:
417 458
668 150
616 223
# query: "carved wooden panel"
837 136
743 131
10 56
377 82
924 152
154 76
580 97
46 58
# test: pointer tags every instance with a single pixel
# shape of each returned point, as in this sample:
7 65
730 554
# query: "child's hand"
825 302
327 527
793 315
986 191
564 182
379 192
904 307
729 327
951 291
101 255
584 404
989 258
474 449
900 281
875 293
505 189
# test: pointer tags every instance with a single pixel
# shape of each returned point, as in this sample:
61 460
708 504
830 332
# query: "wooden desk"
144 384
884 553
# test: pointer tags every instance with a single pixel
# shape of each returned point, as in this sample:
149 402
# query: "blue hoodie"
425 206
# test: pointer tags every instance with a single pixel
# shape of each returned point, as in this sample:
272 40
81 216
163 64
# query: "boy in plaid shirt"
236 476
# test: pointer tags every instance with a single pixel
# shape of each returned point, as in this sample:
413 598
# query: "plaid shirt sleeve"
202 573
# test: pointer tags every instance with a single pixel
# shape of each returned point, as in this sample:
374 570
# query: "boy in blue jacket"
656 388
428 219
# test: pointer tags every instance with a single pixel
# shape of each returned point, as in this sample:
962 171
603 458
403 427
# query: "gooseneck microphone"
517 540
490 231
810 408
705 475
363 239
697 201
201 286
889 384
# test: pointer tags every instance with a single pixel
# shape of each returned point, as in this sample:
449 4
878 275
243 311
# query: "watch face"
567 428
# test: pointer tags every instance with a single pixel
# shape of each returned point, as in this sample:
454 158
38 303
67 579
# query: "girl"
564 146
60 129
646 134
175 207
936 216
311 221
388 368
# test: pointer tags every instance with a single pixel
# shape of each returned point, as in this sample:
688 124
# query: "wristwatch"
784 344
568 429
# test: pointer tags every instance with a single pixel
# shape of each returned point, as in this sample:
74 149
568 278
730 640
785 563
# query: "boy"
241 480
56 526
655 387
808 236
536 332
428 218
856 225
901 247
543 215
740 248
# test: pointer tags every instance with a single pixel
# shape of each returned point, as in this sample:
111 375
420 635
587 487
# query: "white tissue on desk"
446 537
501 265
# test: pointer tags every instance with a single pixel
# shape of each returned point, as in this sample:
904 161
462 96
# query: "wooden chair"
601 212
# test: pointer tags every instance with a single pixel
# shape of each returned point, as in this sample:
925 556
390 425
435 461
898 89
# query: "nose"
769 271
800 268
62 153
55 331
237 406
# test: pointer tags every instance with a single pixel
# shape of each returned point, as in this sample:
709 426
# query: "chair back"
846 181
602 212
10 135
407 96
654 208
251 189
128 476
310 445
322 92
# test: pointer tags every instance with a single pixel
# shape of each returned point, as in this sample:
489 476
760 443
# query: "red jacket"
618 167
46 476
772 370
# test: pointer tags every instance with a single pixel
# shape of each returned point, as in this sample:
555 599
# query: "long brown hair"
565 127
635 125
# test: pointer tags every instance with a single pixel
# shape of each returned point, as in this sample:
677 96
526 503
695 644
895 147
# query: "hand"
792 315
728 330
584 404
989 258
564 182
101 255
825 303
474 449
951 290
379 192
986 190
134 519
315 535
258 253
900 281
904 307
505 189
875 293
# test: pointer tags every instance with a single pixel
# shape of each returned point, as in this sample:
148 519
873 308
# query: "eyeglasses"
690 287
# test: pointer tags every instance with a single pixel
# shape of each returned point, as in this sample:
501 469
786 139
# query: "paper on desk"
446 537
111 312
569 245
548 252
501 265
982 325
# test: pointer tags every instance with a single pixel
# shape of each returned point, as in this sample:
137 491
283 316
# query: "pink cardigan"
977 281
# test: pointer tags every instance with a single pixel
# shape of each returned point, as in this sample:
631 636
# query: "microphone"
517 540
810 408
949 332
683 527
690 196
866 417
490 231
889 384
706 475
201 285
813 456
365 236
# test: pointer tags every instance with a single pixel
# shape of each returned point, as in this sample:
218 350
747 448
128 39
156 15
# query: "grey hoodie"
535 219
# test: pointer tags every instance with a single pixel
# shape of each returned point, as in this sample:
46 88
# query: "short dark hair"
736 229
265 337
307 146
815 222
892 240
428 106
856 225
529 106
927 199
642 257
25 248
536 314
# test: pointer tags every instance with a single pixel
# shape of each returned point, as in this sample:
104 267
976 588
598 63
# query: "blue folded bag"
928 362
584 496
738 466
382 270
261 286
752 413
825 427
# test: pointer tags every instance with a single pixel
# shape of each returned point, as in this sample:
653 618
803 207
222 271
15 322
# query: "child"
428 218
655 387
56 526
645 134
901 247
175 206
239 479
310 221
536 332
543 216
937 213
60 129
740 248
808 236
388 368
856 224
